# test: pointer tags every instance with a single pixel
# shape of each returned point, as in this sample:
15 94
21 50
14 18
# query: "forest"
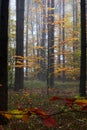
43 64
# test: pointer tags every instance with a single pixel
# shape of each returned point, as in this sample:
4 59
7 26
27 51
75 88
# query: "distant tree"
3 54
19 72
82 89
37 28
59 39
50 73
63 38
43 44
27 38
75 20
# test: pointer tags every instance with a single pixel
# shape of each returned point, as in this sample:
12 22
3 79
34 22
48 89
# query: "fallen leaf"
49 122
55 98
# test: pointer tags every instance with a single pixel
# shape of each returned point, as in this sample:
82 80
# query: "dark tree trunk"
50 73
3 54
27 15
19 72
82 89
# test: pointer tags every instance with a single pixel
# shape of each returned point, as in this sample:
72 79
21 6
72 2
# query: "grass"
35 95
34 84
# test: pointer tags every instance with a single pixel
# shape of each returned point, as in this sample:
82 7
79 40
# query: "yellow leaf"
82 101
17 113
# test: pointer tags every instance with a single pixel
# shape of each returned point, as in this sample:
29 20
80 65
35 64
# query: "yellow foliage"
18 113
51 8
39 47
81 100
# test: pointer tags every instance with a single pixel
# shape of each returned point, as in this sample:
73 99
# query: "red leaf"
83 105
49 122
70 102
41 112
55 98
38 111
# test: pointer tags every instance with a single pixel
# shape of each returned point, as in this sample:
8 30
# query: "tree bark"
27 17
82 89
63 38
3 54
50 73
43 44
19 72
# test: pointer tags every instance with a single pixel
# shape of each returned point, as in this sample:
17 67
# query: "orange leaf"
41 112
49 122
8 116
38 111
25 118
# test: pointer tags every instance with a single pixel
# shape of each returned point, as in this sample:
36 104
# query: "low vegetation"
34 109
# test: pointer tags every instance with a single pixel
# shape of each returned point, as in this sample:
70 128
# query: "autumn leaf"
37 111
70 102
49 122
25 118
7 115
41 112
55 98
82 103
17 113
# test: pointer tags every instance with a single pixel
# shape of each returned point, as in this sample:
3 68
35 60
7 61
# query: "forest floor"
38 97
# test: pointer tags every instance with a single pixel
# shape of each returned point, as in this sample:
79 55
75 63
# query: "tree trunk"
43 44
82 89
59 39
27 15
74 30
3 54
50 73
63 38
19 72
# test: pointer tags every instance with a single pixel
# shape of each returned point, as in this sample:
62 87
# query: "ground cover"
38 97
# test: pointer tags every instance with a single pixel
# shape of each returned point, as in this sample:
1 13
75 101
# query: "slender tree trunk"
37 30
3 54
83 68
63 38
50 74
19 72
59 39
43 44
32 27
27 40
74 30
